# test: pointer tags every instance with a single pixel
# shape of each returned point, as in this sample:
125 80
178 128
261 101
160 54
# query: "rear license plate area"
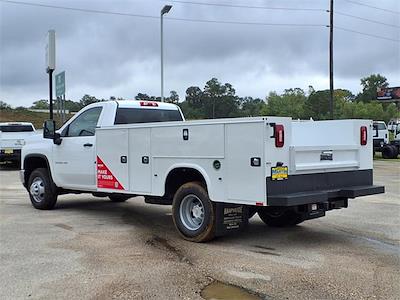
279 173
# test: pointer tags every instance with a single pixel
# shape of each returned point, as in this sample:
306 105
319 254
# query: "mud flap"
230 218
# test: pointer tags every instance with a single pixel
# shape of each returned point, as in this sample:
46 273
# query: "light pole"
164 11
331 60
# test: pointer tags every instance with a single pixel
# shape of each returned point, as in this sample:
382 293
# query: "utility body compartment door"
112 160
245 183
140 161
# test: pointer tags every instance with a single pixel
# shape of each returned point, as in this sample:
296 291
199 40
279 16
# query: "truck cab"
71 158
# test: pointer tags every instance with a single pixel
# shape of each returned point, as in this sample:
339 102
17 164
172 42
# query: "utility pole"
331 60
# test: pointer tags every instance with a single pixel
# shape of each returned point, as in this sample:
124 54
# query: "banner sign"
106 179
389 93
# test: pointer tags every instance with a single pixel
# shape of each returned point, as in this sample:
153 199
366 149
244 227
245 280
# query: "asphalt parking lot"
91 248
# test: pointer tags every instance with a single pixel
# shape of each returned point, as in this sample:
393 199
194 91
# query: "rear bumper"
324 196
15 156
321 187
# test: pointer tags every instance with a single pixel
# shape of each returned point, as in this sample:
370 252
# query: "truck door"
74 158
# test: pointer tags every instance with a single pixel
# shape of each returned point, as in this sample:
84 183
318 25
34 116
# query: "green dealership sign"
60 84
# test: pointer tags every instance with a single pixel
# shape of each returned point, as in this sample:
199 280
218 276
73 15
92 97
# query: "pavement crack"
64 226
163 244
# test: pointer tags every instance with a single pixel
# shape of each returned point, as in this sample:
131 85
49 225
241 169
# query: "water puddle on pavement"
223 291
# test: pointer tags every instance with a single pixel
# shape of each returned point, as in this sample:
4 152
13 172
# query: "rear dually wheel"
194 213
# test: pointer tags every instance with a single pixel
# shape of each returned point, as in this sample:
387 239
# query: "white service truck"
215 173
13 136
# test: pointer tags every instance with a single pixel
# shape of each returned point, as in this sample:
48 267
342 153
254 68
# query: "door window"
85 124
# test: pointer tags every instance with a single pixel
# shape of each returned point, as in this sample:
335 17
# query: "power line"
365 19
247 6
367 34
192 20
279 8
79 9
157 17
374 7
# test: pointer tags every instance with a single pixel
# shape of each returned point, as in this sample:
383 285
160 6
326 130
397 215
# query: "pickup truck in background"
13 136
381 135
216 174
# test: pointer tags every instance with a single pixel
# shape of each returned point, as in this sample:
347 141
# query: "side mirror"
49 129
49 132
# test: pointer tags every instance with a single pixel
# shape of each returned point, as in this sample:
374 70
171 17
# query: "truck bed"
137 159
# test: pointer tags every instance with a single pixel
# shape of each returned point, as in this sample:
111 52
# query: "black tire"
395 152
388 152
42 190
252 211
118 198
280 217
196 192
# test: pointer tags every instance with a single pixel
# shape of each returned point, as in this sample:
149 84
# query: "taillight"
279 136
148 103
363 135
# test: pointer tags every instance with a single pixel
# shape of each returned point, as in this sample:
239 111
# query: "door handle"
87 145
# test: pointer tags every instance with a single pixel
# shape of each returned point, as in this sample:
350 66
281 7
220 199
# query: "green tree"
173 97
317 105
72 105
250 107
142 96
40 104
87 99
220 100
217 100
4 106
194 97
370 85
290 104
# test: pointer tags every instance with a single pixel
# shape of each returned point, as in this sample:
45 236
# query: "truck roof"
15 123
146 104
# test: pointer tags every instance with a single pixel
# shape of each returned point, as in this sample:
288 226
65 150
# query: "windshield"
16 128
143 115
379 126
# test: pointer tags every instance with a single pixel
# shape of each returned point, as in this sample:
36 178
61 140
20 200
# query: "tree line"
219 100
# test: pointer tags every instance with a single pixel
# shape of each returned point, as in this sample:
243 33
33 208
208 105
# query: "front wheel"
194 213
280 217
42 190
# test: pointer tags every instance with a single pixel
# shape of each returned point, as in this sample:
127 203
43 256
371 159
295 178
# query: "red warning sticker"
106 179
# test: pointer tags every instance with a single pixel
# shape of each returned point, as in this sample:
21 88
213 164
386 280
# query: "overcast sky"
115 55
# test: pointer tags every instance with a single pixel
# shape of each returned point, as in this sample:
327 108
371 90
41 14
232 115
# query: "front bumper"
321 187
22 177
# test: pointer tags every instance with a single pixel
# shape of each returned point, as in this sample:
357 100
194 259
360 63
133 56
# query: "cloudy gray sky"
117 55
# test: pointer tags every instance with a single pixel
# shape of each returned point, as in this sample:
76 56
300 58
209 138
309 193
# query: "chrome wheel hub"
191 212
37 189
